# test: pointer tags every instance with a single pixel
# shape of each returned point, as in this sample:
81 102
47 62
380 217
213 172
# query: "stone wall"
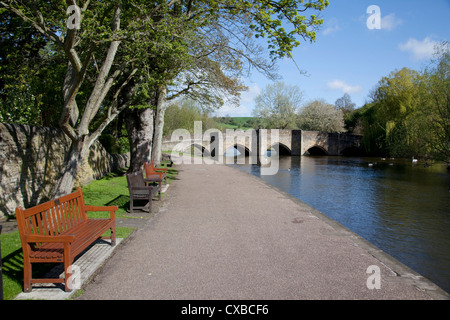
31 159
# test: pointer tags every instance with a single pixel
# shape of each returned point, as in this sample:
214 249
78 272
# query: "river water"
401 207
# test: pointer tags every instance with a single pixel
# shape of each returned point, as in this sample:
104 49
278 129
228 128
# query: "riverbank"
224 234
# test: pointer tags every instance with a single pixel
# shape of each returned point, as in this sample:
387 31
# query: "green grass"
238 123
12 261
110 190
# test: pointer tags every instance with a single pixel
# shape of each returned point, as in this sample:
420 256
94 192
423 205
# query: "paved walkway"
224 234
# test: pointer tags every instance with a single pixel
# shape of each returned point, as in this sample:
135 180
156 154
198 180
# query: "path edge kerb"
399 269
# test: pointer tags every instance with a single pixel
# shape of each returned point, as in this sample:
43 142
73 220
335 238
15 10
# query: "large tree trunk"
161 107
78 129
139 123
72 164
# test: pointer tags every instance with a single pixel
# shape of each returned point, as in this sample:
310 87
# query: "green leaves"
270 18
160 40
278 106
410 114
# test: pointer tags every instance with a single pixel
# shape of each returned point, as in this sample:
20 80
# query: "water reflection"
401 207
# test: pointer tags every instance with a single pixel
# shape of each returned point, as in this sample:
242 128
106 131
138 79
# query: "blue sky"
348 57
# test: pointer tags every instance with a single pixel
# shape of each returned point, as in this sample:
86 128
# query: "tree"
345 104
223 45
410 112
321 116
110 49
124 53
278 105
182 114
94 47
435 102
396 104
29 68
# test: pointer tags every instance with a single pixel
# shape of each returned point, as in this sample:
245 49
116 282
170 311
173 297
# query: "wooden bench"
151 170
58 231
153 174
140 191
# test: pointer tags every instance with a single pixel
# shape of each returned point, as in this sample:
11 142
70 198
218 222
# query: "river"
401 207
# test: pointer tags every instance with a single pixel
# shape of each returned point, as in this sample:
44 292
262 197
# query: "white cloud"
420 49
390 22
250 95
343 86
332 26
246 104
233 111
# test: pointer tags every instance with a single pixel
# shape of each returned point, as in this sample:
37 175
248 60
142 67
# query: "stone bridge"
256 142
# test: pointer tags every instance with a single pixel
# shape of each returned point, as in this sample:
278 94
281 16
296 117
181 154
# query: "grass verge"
110 190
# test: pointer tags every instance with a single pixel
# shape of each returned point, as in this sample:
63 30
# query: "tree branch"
39 27
113 111
99 89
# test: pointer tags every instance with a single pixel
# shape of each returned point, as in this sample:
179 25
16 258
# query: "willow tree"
434 99
410 112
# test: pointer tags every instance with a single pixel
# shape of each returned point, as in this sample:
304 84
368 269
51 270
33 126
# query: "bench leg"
27 272
131 204
113 236
67 268
160 189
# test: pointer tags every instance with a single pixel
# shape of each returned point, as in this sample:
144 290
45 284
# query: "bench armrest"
32 238
162 169
111 209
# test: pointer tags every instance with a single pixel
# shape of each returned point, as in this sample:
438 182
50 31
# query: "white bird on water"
414 160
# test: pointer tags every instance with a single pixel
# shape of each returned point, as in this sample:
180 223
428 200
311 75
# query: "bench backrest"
149 169
135 179
52 217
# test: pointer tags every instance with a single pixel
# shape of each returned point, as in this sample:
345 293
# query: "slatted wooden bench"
58 231
140 191
151 170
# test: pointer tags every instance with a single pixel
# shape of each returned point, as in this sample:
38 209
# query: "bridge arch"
282 149
316 150
243 150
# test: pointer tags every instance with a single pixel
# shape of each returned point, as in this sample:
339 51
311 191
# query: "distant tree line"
281 106
407 115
